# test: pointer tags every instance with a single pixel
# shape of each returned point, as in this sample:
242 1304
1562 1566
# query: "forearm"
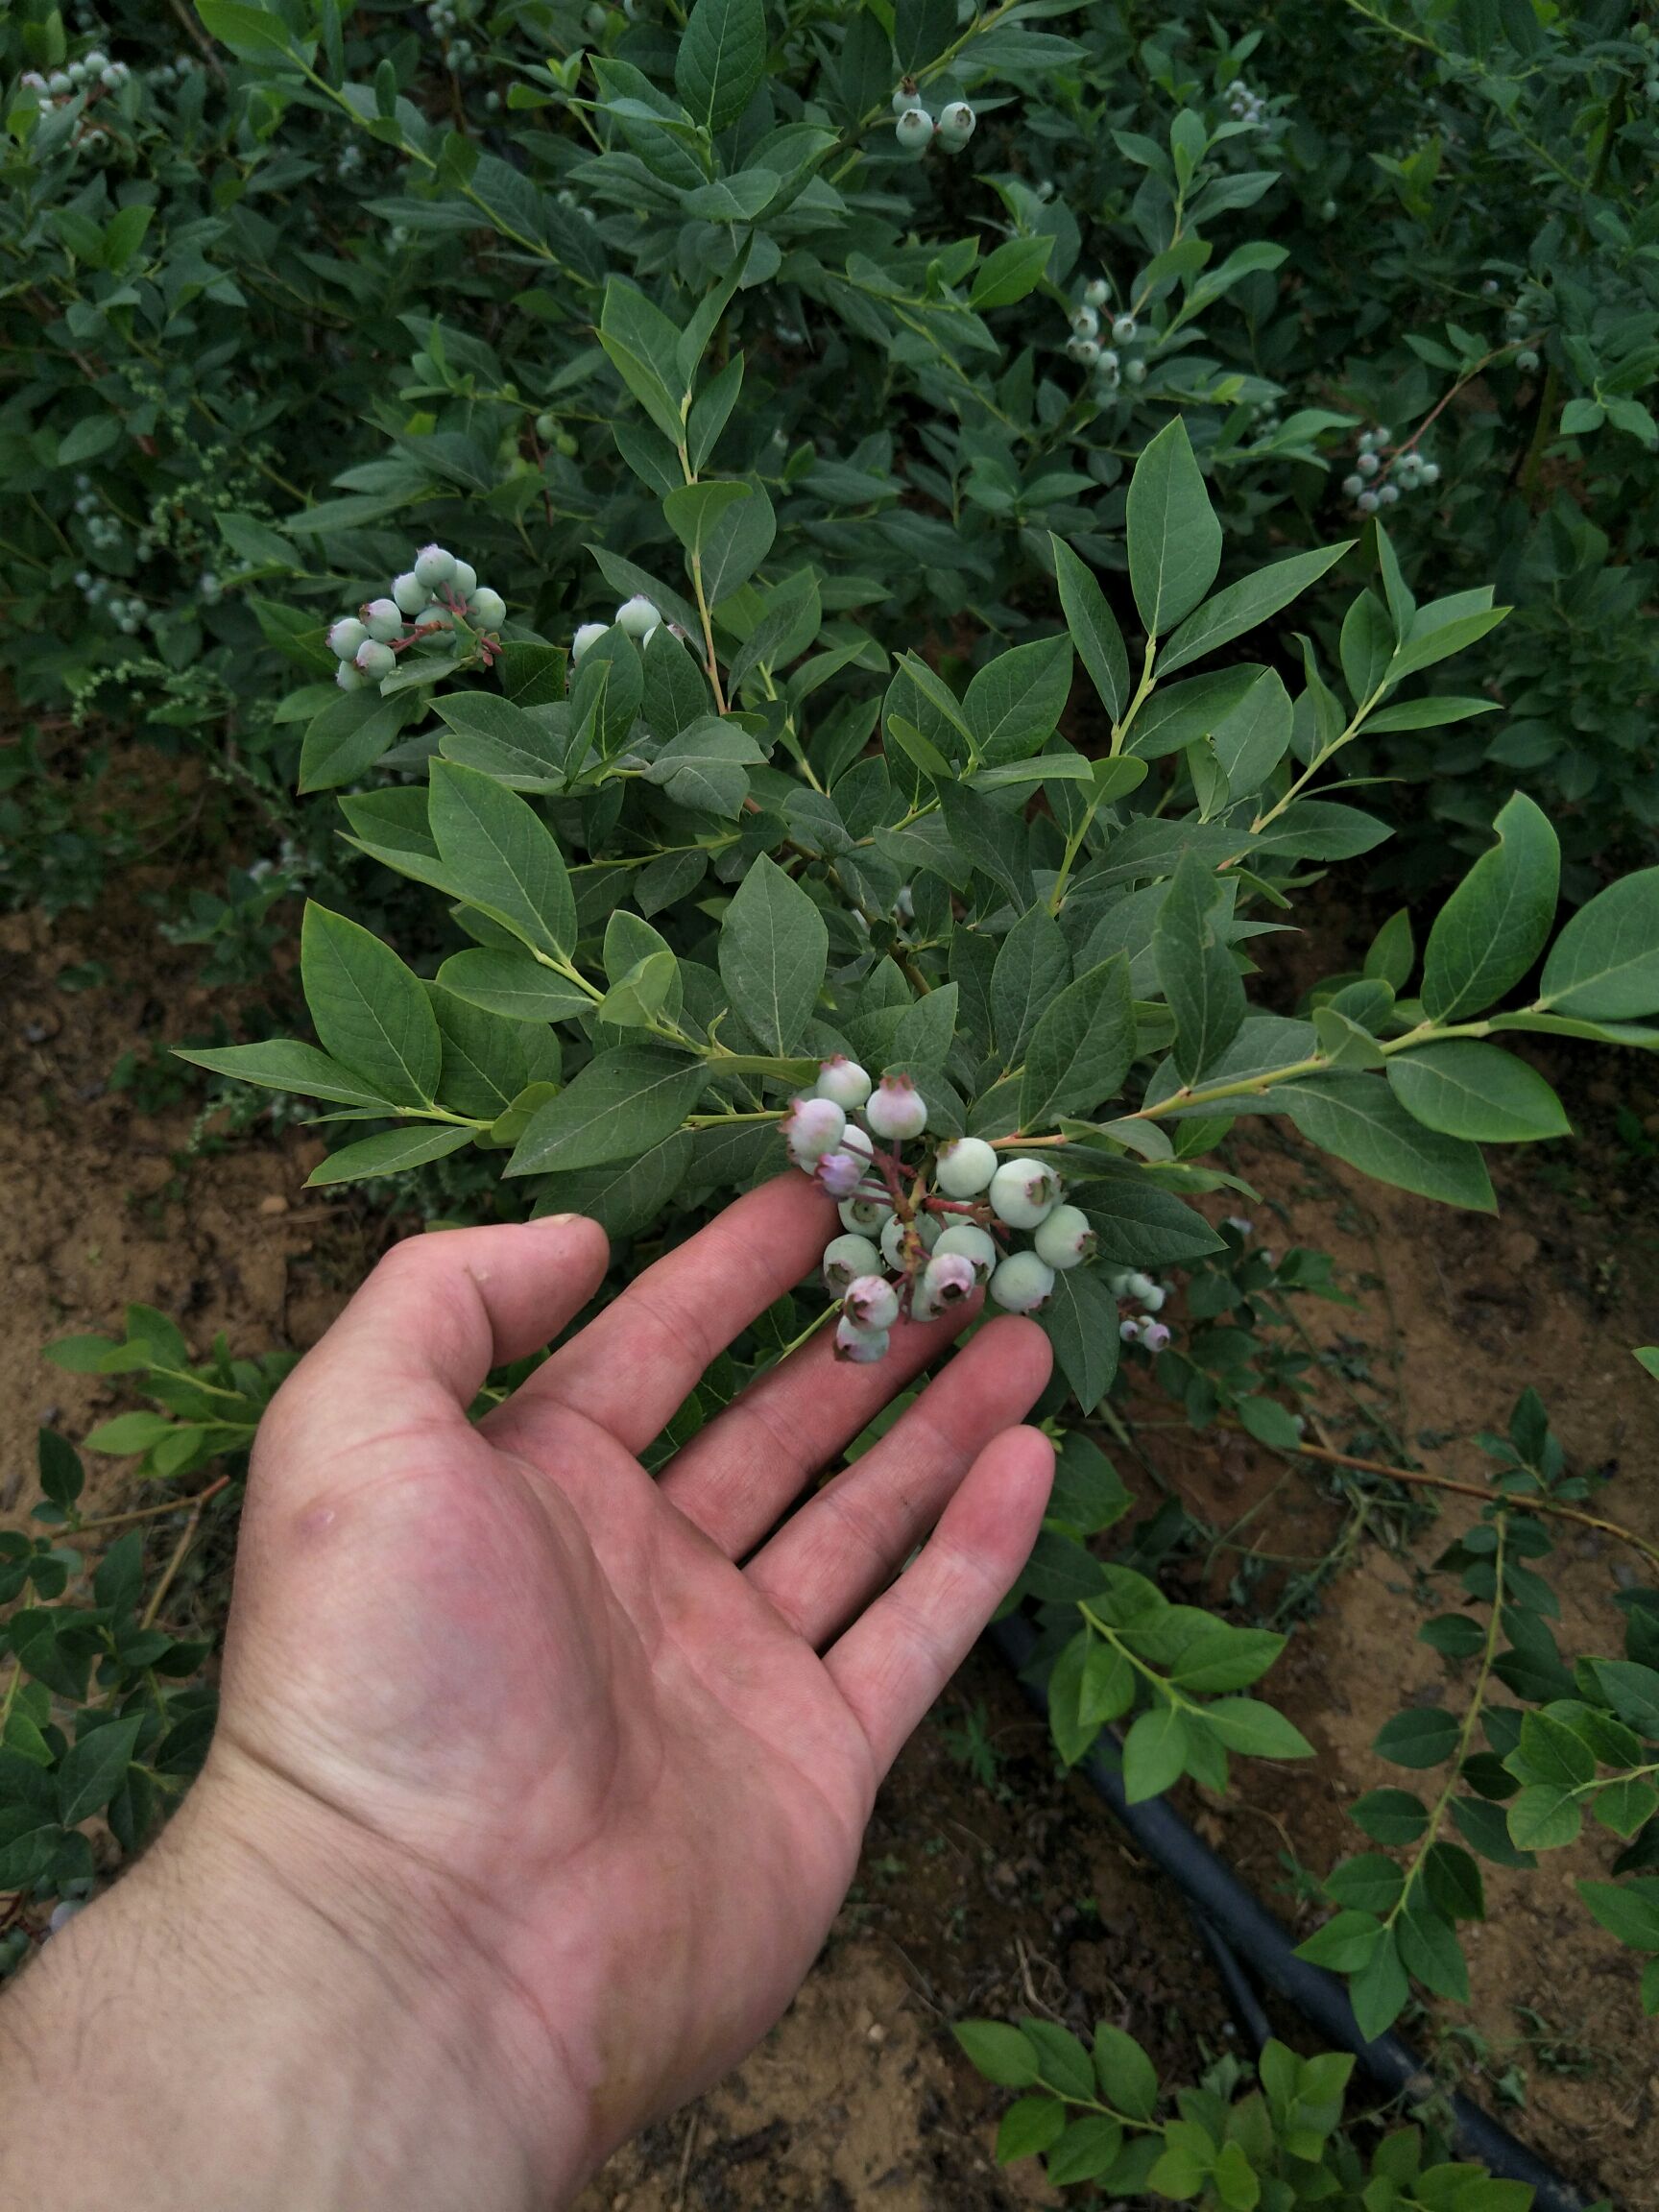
239 2026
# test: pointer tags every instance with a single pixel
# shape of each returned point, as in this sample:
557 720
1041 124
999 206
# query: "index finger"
633 1367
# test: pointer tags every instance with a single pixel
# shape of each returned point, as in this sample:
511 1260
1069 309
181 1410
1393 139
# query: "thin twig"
154 1609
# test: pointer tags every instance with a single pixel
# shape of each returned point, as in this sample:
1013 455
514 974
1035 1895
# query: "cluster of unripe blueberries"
1369 488
127 614
94 69
1099 339
916 127
438 592
918 1240
1243 105
638 615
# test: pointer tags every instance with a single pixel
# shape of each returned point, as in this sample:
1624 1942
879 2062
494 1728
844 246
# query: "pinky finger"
895 1660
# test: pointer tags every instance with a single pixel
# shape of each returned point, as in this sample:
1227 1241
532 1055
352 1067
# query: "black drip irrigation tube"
1238 1932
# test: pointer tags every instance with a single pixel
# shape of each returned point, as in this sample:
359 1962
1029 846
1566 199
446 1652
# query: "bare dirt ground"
1018 1895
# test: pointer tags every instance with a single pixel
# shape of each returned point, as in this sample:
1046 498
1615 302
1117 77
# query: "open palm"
627 1728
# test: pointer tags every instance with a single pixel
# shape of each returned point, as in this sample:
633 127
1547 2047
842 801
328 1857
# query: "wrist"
275 2009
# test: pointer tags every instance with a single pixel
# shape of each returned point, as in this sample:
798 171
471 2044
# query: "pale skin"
539 1779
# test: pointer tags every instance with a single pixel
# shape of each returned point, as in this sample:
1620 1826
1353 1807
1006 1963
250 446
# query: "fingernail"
552 1220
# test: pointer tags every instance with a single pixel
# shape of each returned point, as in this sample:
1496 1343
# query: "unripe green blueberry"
896 1109
1124 328
464 579
845 1258
845 1082
1108 363
1367 441
383 620
813 1126
588 636
905 96
1367 502
1097 292
638 615
965 1167
1138 1286
865 1214
893 1238
914 130
1021 1283
1431 471
488 607
345 638
863 1347
409 591
976 1246
1153 1299
871 1302
1383 436
1129 1330
377 661
77 71
956 125
1065 1240
434 566
1353 486
1388 493
1085 323
566 445
1136 371
1024 1192
547 427
1525 360
1086 352
1367 462
96 60
350 677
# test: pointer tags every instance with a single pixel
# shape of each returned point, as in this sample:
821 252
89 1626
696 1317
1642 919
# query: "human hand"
571 1764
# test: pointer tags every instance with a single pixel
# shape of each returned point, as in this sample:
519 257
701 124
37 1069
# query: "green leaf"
1174 538
513 984
1497 921
1392 954
623 1196
93 1768
128 1432
485 1065
502 857
620 1104
1127 2078
1000 2053
1345 1944
1138 1224
61 1474
1420 1737
1081 1318
1014 704
1010 271
1093 629
1628 1911
1088 2149
1378 1991
1154 1753
1082 1047
1359 1120
1032 966
1246 1724
1029 2127
774 947
693 510
1066 2066
1430 1949
1242 604
251 33
1390 1816
1466 1089
1544 1817
720 59
370 1012
1367 1883
389 1154
1225 1658
1605 966
1270 1423
285 1064
347 738
1195 967
638 339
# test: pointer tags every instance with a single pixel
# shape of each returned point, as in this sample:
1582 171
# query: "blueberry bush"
804 583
